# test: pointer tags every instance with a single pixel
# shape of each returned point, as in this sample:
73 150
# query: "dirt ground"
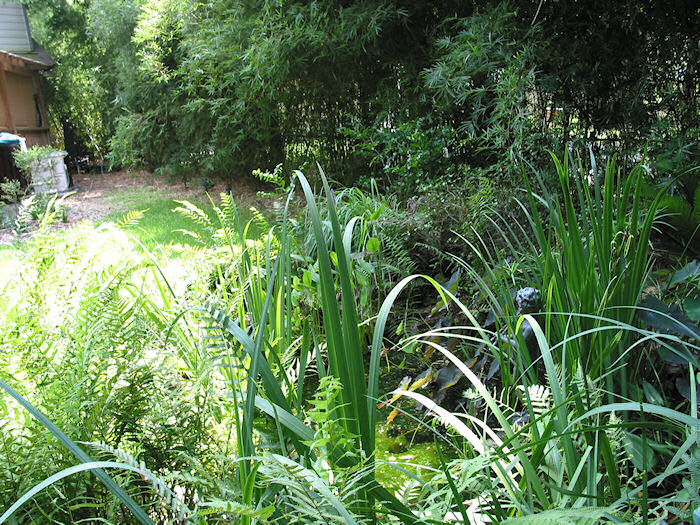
94 196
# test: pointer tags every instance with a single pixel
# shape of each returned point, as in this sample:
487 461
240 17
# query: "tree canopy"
224 87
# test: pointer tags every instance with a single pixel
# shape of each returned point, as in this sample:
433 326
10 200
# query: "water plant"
588 253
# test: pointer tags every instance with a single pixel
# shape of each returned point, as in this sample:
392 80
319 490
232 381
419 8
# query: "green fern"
435 252
683 218
583 516
260 220
538 396
303 496
218 506
168 497
194 213
396 257
24 213
131 218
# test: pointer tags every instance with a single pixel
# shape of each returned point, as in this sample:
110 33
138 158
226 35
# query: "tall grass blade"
342 332
129 503
93 465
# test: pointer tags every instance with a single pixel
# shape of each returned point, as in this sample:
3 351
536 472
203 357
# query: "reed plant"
259 334
557 453
586 247
554 445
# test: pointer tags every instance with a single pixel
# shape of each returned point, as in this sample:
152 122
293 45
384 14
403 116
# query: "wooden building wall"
22 109
21 104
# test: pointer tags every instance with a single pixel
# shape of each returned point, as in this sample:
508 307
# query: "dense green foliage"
440 96
226 87
242 381
241 377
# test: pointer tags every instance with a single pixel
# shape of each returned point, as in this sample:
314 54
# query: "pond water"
420 459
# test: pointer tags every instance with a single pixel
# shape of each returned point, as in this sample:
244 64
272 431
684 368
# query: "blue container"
8 139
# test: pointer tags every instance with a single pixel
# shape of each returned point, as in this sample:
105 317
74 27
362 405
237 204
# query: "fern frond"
616 436
194 235
24 213
583 516
230 216
160 487
196 214
303 496
538 395
396 256
131 218
409 491
216 506
259 219
437 252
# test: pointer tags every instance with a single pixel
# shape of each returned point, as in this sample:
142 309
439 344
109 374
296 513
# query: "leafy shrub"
11 190
676 162
480 80
25 160
404 156
431 225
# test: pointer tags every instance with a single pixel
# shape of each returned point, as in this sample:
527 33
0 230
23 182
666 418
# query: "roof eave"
42 63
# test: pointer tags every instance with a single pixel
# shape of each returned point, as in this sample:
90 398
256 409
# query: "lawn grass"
160 226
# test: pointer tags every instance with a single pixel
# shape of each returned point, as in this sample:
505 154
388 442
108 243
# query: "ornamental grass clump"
587 249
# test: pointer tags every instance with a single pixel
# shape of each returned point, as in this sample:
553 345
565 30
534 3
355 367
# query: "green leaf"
647 408
652 395
677 355
639 451
692 308
688 272
377 212
372 245
451 286
285 418
307 280
657 314
684 387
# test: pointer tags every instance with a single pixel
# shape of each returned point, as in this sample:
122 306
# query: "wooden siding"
22 92
14 31
21 105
